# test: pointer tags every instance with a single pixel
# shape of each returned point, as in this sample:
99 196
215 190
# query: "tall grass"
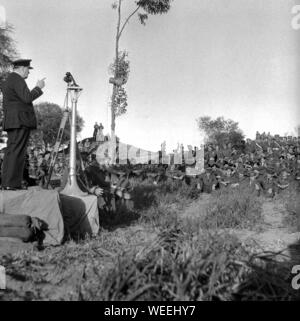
233 208
178 262
291 200
174 266
160 204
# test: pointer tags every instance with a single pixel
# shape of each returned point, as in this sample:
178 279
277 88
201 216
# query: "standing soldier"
96 128
100 136
87 145
80 146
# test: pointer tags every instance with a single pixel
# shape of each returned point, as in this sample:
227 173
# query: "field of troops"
227 231
269 164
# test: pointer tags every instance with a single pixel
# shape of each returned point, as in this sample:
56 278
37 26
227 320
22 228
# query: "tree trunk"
114 93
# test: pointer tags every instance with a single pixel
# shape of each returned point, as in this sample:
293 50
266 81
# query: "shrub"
179 188
143 195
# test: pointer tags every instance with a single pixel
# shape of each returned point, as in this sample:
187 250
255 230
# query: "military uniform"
283 181
239 178
256 180
19 119
96 128
207 181
269 183
225 178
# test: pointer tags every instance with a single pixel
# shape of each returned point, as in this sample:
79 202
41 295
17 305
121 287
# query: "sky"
236 58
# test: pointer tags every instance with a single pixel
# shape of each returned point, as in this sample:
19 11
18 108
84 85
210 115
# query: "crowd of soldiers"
269 164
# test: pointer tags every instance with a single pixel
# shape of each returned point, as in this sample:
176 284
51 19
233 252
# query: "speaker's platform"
66 216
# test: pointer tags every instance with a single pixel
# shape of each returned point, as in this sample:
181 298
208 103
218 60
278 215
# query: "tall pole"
72 187
115 88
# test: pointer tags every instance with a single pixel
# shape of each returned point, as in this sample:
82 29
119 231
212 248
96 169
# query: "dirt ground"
273 235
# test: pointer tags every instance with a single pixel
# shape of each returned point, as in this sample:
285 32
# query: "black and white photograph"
149 152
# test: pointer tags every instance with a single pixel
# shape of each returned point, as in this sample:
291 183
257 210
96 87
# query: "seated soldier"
207 181
256 180
217 173
109 185
269 183
42 170
297 171
225 178
239 177
220 162
283 180
211 161
277 167
27 180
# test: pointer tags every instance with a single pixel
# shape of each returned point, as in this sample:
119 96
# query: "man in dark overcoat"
19 119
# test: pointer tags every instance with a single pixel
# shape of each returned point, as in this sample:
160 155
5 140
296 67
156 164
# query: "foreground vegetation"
157 253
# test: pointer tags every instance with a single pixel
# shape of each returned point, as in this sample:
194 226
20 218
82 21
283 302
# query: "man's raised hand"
41 83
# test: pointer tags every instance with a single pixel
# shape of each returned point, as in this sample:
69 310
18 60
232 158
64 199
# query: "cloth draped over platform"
80 214
65 215
36 202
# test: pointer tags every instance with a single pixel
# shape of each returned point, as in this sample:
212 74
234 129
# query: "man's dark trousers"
14 159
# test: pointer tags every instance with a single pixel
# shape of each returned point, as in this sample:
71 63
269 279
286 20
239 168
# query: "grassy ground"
174 245
291 201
